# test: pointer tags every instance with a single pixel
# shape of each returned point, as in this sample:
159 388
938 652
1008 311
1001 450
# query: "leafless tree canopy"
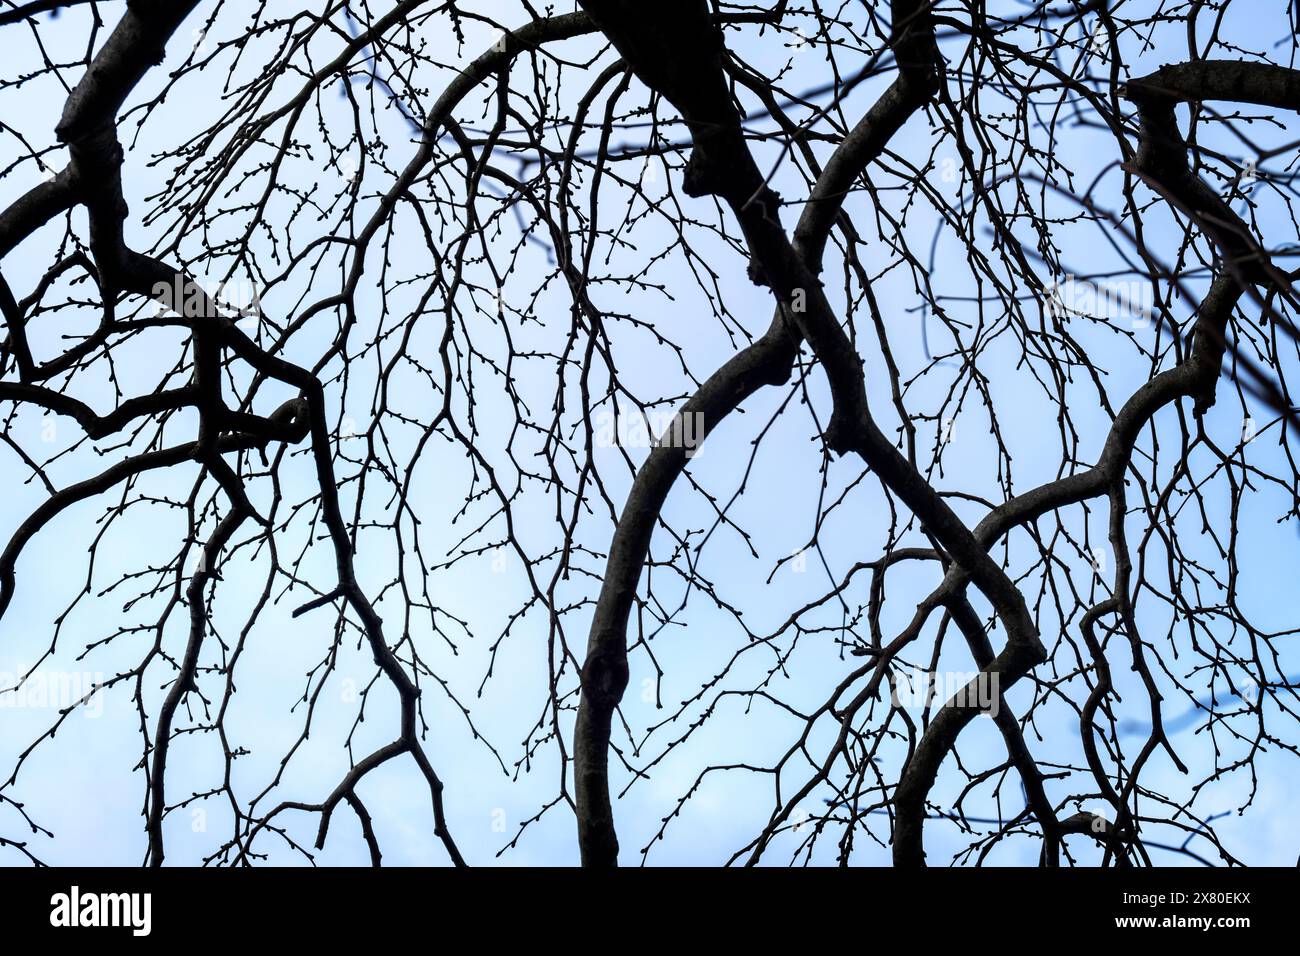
986 310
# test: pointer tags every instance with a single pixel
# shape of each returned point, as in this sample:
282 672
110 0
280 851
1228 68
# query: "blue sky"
83 784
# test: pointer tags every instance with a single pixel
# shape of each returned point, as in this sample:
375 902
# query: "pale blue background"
83 784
